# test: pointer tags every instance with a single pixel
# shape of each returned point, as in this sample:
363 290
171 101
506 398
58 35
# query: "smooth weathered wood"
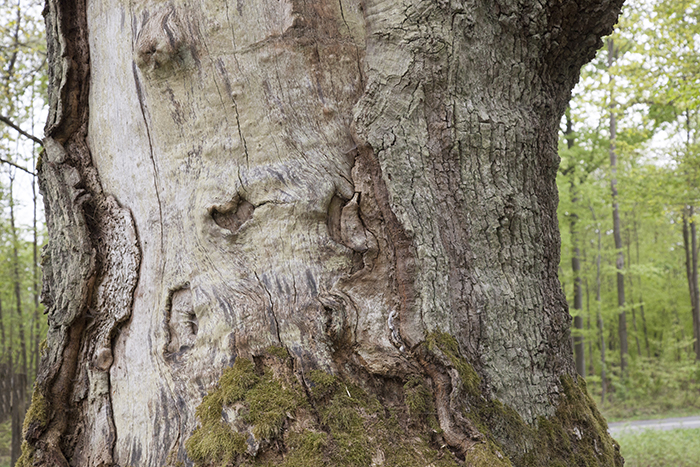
345 180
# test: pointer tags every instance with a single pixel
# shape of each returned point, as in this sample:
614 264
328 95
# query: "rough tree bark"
347 209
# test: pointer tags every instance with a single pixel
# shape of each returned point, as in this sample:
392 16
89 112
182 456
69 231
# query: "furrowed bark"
367 186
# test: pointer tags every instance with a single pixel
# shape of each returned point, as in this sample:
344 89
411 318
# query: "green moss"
279 352
486 454
322 384
344 426
215 443
417 396
306 449
268 404
575 436
450 348
26 459
236 381
266 401
38 415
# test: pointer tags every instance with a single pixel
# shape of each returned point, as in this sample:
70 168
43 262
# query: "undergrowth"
653 448
650 389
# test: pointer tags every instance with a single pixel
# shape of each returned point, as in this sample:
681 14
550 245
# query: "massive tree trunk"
347 208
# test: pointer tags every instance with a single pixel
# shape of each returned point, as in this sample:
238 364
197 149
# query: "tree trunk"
335 220
696 289
630 281
579 344
641 295
620 262
3 355
601 330
691 269
18 372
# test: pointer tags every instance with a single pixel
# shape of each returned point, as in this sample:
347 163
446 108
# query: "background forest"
629 201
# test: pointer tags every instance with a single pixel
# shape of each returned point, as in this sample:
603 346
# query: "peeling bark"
341 180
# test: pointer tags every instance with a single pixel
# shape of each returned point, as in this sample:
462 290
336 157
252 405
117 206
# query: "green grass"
653 448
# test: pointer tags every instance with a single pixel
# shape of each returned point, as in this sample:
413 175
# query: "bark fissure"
142 105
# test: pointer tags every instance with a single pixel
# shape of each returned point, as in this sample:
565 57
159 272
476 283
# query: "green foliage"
654 388
652 448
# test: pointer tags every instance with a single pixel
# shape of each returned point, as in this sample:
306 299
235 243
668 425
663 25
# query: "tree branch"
9 123
5 161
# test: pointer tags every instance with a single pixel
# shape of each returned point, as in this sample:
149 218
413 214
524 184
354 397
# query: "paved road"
663 424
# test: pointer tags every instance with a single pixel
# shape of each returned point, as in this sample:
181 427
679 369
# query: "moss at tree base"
262 414
327 421
577 435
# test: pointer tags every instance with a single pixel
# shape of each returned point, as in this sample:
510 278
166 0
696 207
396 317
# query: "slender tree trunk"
35 279
601 330
591 365
579 344
19 372
630 281
334 203
3 356
696 289
17 382
17 284
620 263
641 294
35 259
691 268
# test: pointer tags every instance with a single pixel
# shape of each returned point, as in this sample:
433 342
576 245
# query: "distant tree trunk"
691 268
620 263
347 209
641 294
18 372
630 280
35 256
35 279
591 365
601 330
3 356
579 344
